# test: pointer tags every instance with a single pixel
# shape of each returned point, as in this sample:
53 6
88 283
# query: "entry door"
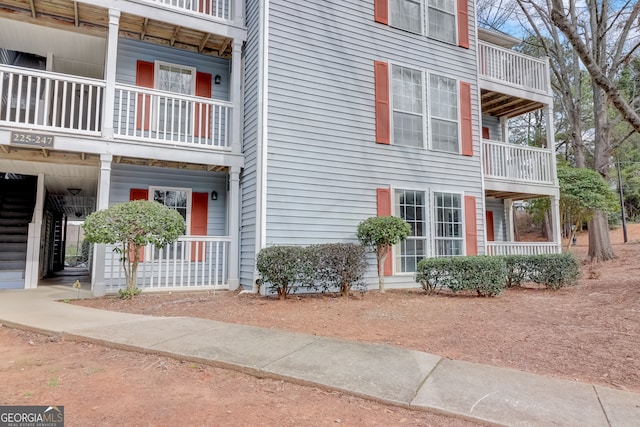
490 233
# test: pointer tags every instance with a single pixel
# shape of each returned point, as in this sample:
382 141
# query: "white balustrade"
514 68
192 262
517 162
522 248
44 100
150 114
219 9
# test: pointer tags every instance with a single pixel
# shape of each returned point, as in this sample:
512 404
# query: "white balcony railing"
522 248
520 163
219 9
44 100
513 68
192 262
149 114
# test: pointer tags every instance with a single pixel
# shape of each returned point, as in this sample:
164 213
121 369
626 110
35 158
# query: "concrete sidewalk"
408 378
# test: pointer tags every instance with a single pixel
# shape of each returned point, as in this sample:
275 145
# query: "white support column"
504 123
234 228
34 239
238 12
508 219
555 222
551 141
98 287
236 97
110 73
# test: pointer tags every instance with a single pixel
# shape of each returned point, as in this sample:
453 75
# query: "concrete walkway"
388 374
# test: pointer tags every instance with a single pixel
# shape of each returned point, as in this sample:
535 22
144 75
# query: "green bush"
339 266
327 267
554 271
482 274
284 269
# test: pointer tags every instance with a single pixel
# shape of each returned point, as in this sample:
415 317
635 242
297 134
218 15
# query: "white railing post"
234 228
110 74
238 12
235 136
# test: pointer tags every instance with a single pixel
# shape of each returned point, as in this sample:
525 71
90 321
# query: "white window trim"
428 230
423 24
455 21
156 73
189 192
425 106
459 118
432 198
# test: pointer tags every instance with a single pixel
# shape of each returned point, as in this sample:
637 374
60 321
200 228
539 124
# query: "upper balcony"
511 83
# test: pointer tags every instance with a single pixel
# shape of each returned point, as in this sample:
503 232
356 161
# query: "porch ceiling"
512 195
501 105
94 20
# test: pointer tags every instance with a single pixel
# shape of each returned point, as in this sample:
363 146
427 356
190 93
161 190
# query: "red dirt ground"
588 333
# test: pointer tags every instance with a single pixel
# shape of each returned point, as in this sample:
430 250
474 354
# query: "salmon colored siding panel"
138 194
199 215
383 197
203 112
383 122
471 227
144 78
466 119
381 11
463 23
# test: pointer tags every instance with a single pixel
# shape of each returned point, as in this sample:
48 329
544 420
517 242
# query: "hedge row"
327 267
489 275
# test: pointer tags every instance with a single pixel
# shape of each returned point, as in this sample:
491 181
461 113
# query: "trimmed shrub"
482 274
285 269
554 271
339 266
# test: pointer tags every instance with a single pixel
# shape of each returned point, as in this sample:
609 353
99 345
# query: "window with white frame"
447 218
443 95
406 15
408 106
178 199
441 15
410 205
173 114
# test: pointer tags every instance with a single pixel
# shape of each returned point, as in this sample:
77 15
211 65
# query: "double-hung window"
448 217
443 94
441 16
411 206
178 199
406 15
408 106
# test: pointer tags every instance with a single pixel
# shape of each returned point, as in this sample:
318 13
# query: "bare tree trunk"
599 243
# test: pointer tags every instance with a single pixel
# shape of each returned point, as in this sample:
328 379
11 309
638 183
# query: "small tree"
133 225
381 233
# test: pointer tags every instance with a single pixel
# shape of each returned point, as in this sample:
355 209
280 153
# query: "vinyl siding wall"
495 130
499 226
248 178
323 163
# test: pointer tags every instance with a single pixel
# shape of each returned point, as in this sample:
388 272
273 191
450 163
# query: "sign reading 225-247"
31 139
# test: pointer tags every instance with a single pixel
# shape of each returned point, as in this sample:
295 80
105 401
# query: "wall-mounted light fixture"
214 195
217 79
74 191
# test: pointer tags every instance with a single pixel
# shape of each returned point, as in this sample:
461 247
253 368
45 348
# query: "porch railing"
220 9
44 100
192 262
514 68
149 114
517 162
522 248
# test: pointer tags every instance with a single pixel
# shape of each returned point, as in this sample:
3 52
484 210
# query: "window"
410 206
174 115
408 106
442 20
443 93
448 224
174 198
406 15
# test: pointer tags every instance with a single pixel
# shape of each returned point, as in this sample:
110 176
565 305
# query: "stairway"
17 201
